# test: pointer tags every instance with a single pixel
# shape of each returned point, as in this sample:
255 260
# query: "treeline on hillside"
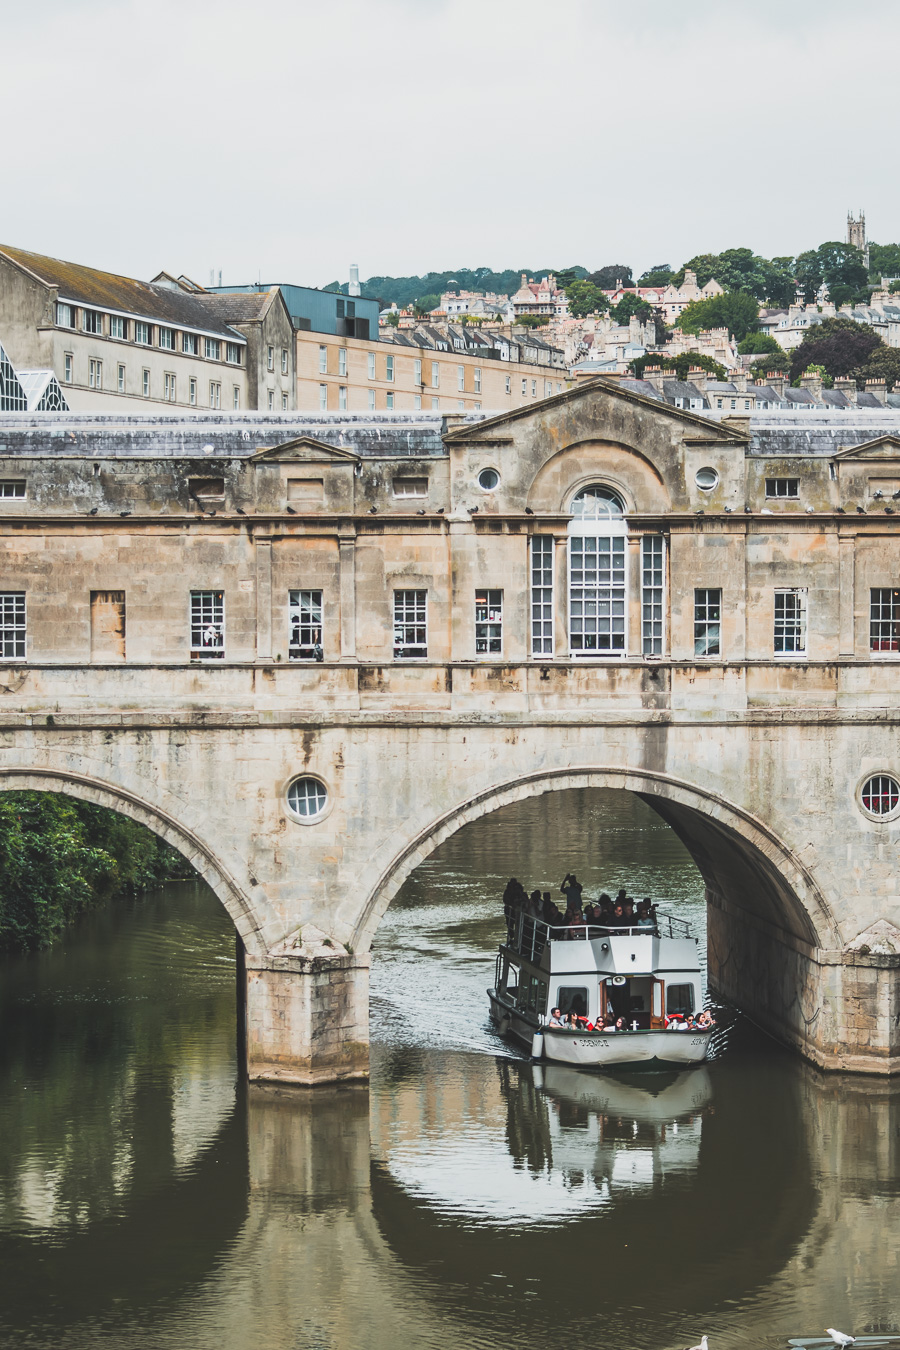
60 857
769 280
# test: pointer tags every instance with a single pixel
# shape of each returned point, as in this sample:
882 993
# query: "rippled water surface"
465 1199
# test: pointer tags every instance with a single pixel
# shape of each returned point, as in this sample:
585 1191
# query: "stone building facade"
306 650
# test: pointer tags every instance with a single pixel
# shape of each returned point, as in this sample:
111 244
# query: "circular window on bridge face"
307 799
880 796
489 479
706 479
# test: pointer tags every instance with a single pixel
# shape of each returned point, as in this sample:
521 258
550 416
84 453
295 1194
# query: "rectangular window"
235 397
435 403
488 623
169 386
166 339
342 361
476 375
884 619
271 402
371 400
91 321
417 401
65 315
207 625
284 402
323 398
435 374
270 358
121 379
389 402
145 383
790 622
524 386
389 368
142 333
305 626
542 595
548 388
323 360
410 625
284 360
417 371
370 362
215 394
509 384
597 595
679 998
67 367
461 379
12 625
116 327
410 487
189 344
107 625
233 353
534 388
95 374
558 387
339 309
192 393
782 487
707 622
342 397
653 582
211 348
12 487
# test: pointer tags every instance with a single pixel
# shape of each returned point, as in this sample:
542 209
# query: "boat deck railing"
529 936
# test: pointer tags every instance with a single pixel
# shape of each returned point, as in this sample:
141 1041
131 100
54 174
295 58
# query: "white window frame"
370 365
117 327
542 592
405 487
488 621
95 373
417 401
305 625
410 612
68 363
389 401
323 359
13 626
189 344
169 387
790 627
212 349
65 315
371 400
461 379
145 382
142 333
236 396
435 374
435 404
233 353
206 610
165 338
192 392
120 379
215 394
653 595
323 398
342 362
782 488
707 591
270 358
270 402
92 322
509 384
614 595
389 369
417 370
284 360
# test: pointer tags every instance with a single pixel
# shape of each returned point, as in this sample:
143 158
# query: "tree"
393 318
565 276
755 344
533 320
678 365
607 278
425 304
738 311
778 361
660 274
585 298
631 303
884 260
809 275
883 364
838 344
844 272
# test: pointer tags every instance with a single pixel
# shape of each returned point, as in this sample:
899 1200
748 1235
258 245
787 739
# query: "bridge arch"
165 820
743 862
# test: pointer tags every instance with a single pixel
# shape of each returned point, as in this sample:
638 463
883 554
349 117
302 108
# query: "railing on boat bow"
529 936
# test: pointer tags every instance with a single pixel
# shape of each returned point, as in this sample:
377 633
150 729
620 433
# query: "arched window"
597 573
597 503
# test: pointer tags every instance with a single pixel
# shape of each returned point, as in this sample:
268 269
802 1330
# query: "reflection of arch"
736 852
158 818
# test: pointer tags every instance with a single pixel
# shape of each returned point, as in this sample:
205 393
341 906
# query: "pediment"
881 448
304 450
605 394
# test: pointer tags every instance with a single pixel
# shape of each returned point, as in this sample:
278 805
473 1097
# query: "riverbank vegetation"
60 857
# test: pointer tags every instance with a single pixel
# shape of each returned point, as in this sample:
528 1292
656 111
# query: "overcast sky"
284 141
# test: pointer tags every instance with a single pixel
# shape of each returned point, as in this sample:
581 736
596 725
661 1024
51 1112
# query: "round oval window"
488 479
307 797
880 795
706 479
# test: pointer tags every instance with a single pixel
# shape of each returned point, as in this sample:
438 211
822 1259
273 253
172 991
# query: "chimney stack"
353 288
879 389
812 381
739 380
775 380
698 377
655 375
846 385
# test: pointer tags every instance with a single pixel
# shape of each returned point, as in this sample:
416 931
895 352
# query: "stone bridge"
246 634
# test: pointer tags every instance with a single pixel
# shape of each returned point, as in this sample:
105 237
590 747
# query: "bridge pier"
306 1013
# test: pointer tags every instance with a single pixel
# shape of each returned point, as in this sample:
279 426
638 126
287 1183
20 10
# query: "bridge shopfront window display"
207 625
305 620
597 574
410 625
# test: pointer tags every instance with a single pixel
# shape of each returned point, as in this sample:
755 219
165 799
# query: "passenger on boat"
643 916
621 896
534 905
706 1020
628 913
556 1018
617 921
576 925
571 888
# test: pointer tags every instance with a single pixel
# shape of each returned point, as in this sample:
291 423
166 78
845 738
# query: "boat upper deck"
669 944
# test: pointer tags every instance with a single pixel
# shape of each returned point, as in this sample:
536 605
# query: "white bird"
840 1338
704 1344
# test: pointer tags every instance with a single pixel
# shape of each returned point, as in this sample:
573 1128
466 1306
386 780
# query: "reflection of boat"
658 1099
647 979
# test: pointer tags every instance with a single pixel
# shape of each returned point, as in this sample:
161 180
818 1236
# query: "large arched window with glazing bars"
597 583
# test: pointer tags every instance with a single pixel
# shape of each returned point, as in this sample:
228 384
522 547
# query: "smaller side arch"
812 917
200 855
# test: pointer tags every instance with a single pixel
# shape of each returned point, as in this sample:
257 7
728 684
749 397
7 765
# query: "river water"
149 1200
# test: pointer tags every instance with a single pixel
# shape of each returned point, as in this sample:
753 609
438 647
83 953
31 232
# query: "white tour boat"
649 977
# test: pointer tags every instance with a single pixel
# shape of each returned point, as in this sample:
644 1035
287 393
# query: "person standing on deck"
571 888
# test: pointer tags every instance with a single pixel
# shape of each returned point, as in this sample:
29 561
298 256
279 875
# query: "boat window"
572 1000
531 994
680 998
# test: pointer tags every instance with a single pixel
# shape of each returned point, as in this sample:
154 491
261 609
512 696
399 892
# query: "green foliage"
585 298
839 265
660 274
631 303
60 857
532 320
425 304
776 361
837 344
566 276
883 364
393 318
606 278
402 291
755 344
884 261
738 311
679 365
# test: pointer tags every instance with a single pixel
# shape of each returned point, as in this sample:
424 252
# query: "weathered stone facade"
755 756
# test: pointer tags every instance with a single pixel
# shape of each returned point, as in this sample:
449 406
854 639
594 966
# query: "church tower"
856 234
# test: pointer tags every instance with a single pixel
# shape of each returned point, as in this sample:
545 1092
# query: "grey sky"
289 140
